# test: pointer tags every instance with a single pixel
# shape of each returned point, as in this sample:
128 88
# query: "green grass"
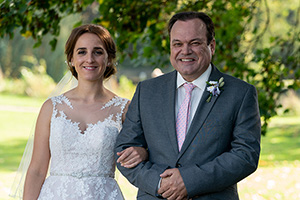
15 127
18 100
276 178
282 142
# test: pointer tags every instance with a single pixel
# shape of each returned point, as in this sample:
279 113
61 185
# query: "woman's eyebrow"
84 48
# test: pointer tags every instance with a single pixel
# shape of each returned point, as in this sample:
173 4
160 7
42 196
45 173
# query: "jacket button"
178 165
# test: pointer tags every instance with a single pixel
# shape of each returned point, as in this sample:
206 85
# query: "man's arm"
146 175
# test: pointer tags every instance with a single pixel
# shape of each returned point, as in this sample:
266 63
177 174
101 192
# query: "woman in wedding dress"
78 129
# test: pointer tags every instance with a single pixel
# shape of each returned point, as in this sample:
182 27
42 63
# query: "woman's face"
90 57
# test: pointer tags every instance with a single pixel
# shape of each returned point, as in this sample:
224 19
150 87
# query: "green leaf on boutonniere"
214 88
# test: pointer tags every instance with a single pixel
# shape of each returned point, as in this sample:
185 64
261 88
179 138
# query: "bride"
78 128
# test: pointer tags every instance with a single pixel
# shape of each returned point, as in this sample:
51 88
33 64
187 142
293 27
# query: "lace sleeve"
123 106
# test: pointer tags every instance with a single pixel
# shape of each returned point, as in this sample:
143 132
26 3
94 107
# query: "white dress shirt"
197 92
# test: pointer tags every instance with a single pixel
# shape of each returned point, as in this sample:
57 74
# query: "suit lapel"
202 112
168 108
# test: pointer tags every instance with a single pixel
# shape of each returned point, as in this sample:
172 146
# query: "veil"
68 82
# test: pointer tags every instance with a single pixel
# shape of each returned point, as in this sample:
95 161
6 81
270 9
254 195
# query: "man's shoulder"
170 76
234 81
236 86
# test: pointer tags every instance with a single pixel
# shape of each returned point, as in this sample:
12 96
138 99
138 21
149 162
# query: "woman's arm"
132 156
38 167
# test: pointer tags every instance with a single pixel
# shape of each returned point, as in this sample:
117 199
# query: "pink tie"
183 114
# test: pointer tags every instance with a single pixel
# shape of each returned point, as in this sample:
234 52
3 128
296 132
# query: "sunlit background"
28 75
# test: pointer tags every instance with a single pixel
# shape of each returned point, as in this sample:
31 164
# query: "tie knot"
188 87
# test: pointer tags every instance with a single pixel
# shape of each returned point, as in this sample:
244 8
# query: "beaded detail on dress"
82 162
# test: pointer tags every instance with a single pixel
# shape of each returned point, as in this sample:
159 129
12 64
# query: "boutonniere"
214 88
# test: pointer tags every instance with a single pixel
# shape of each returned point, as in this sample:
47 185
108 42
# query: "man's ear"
212 46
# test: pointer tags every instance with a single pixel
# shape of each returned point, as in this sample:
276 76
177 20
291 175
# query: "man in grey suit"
221 139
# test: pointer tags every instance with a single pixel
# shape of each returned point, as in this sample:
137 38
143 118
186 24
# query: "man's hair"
184 16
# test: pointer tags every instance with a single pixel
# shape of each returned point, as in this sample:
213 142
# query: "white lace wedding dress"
82 161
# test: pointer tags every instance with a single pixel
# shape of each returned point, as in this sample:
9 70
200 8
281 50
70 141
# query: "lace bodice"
78 155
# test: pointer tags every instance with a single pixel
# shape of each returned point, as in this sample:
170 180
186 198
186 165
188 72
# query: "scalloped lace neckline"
89 126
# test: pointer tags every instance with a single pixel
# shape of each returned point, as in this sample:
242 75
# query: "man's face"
190 54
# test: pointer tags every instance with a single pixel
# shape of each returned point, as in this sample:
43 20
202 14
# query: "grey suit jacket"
221 147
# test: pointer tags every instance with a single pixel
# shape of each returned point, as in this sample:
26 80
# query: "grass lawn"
276 178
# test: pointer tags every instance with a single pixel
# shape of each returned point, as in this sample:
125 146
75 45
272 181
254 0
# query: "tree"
139 28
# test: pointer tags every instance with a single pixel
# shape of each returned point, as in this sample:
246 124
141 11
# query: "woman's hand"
132 156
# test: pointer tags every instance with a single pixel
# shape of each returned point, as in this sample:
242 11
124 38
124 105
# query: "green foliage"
13 50
126 88
290 102
34 83
36 18
246 46
13 86
136 23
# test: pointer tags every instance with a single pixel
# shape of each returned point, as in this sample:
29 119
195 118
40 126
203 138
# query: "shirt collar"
200 82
